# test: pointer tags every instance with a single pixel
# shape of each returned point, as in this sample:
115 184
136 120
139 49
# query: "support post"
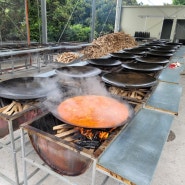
27 22
44 22
118 16
93 20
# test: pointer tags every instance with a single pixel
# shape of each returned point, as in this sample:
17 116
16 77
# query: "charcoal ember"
89 144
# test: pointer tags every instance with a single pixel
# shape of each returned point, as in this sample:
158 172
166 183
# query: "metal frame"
13 151
26 62
26 159
12 148
41 166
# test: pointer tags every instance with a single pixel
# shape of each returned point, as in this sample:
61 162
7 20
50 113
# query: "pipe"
44 22
118 16
93 20
27 21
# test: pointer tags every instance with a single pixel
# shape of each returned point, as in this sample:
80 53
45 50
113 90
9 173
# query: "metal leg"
13 152
23 155
0 69
93 172
38 64
105 180
13 66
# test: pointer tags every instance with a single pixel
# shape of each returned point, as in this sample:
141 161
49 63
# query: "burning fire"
93 133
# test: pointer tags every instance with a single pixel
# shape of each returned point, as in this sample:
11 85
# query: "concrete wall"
150 19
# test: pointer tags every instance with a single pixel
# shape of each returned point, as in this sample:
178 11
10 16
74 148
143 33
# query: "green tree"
12 23
67 18
178 2
78 32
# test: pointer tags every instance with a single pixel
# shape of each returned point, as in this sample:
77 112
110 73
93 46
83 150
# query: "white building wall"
149 18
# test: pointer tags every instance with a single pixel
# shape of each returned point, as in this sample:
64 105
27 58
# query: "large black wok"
93 111
129 79
25 88
78 71
152 60
145 67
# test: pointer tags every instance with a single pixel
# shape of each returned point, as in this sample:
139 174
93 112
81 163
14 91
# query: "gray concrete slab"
171 166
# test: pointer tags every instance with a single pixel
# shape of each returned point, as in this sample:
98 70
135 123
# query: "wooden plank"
114 175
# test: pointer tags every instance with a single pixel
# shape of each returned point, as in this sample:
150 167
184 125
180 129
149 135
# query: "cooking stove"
32 109
49 135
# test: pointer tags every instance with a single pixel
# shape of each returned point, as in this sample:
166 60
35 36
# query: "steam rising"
62 87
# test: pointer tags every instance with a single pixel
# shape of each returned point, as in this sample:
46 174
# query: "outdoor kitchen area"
88 111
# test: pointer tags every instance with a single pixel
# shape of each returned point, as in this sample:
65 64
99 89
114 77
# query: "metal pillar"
118 16
93 20
44 22
27 22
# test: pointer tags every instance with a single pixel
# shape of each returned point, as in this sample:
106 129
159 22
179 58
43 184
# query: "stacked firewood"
67 57
64 130
101 46
14 108
135 94
109 43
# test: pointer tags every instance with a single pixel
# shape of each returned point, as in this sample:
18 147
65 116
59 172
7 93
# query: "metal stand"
26 159
13 151
13 125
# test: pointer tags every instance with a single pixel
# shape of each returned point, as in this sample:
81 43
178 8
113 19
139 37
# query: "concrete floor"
170 168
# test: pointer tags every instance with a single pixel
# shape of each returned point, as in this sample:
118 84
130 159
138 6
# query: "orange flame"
89 133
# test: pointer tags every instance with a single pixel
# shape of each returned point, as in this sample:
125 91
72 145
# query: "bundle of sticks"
64 130
67 57
14 108
136 94
108 44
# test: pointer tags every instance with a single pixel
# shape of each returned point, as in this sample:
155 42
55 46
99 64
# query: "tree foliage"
70 20
67 20
12 25
178 2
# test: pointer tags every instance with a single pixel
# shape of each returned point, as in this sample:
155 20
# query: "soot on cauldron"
82 137
65 155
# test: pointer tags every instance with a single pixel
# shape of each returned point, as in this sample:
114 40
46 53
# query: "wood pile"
14 108
135 94
101 46
109 43
67 57
65 130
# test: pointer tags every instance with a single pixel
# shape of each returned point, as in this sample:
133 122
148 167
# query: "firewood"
13 108
19 107
67 57
141 93
133 94
137 94
3 108
108 44
26 106
9 107
62 126
63 134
